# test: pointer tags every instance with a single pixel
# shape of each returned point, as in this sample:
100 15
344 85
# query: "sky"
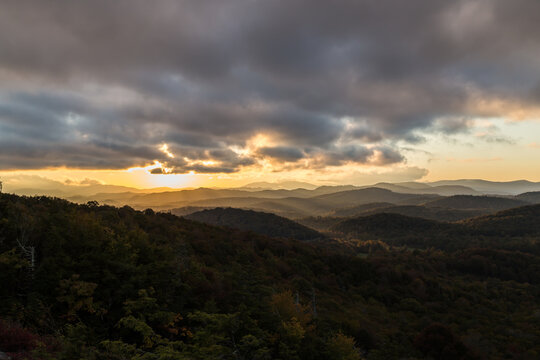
222 93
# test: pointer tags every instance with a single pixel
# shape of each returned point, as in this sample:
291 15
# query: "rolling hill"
516 228
116 283
388 225
360 209
429 212
370 195
288 185
522 221
464 202
493 187
259 222
532 197
418 188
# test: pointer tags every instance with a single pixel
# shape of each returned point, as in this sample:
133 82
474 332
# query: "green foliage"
78 295
115 283
514 230
342 347
258 222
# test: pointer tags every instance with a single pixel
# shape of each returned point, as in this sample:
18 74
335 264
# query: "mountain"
493 187
414 185
464 202
417 188
31 185
297 207
388 225
531 197
287 185
320 223
327 189
517 229
178 198
522 221
290 207
325 223
360 209
430 212
258 222
365 196
449 190
186 210
206 197
116 283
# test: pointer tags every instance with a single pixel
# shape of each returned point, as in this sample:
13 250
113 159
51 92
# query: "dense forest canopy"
258 222
99 282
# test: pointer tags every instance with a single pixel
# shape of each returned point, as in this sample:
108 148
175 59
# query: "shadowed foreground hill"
258 222
389 225
389 222
513 229
521 221
115 283
463 202
370 195
425 212
532 197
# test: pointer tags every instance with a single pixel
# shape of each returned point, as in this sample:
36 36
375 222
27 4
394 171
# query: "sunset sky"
222 93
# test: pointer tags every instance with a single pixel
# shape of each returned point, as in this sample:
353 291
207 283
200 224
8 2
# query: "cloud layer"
232 84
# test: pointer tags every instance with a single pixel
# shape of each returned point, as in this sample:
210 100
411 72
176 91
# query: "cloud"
282 153
453 125
100 84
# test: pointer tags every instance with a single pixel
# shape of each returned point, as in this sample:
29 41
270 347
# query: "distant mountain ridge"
464 202
285 185
138 271
533 197
493 187
461 198
419 188
521 221
499 230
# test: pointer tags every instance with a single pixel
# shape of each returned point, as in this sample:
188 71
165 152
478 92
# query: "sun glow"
173 180
148 168
165 149
209 162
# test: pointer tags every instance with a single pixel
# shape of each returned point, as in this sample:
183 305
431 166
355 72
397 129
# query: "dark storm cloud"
103 84
283 153
380 155
453 125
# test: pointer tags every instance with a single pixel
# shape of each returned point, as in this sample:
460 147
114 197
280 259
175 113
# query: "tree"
439 342
342 347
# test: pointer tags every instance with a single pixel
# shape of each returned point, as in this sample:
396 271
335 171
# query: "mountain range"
102 282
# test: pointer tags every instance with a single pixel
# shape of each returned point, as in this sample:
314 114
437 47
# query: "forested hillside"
464 202
514 229
98 282
532 197
258 222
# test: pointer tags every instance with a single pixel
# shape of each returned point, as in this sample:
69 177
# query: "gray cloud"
283 153
453 125
101 84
